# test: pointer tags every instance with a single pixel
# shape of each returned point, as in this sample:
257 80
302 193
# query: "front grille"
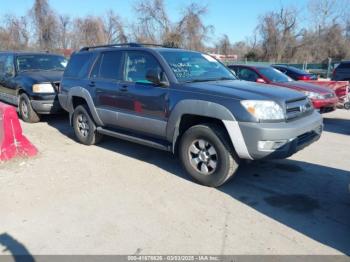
56 86
298 108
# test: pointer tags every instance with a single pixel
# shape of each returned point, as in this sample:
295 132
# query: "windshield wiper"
224 78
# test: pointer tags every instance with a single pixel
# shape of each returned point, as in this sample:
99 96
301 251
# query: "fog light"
271 145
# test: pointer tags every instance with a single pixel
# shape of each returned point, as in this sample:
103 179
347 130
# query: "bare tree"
88 31
64 24
45 24
192 27
324 13
224 45
278 33
15 34
153 24
114 28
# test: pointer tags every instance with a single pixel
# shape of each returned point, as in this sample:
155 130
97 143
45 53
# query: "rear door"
105 79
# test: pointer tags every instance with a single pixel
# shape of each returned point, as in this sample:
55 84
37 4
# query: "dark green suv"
184 102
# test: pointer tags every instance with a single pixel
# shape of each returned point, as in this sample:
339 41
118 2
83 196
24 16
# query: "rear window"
345 65
295 70
78 65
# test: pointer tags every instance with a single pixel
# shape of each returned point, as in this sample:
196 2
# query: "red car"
323 98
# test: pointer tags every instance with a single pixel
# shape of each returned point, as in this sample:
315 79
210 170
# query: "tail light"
303 78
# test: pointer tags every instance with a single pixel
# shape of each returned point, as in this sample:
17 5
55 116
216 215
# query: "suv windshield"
196 67
40 62
274 75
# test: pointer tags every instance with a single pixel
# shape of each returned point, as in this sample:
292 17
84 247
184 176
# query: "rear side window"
344 66
108 66
78 65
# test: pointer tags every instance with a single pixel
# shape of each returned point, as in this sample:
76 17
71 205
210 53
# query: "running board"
134 139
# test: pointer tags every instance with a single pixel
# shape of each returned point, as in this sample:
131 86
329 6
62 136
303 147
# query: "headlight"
313 95
43 88
264 110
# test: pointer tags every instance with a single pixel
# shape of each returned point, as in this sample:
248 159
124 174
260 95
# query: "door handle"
92 84
124 88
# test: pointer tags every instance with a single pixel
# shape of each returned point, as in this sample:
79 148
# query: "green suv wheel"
85 127
207 155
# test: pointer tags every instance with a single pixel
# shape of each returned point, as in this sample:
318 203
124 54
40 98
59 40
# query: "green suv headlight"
264 110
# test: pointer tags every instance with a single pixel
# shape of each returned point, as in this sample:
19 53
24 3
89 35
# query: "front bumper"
298 134
325 105
46 106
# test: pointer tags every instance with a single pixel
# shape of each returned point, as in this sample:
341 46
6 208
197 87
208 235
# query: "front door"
145 107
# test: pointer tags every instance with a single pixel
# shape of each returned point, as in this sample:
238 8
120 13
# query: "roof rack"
87 48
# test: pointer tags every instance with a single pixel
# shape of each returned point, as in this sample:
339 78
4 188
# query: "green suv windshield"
196 67
40 62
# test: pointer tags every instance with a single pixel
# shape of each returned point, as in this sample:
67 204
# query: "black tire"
85 127
347 105
225 161
26 110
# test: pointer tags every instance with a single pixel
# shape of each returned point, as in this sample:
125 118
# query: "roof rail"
87 48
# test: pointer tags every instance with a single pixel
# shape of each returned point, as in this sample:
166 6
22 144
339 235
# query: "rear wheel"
207 156
85 127
26 110
347 105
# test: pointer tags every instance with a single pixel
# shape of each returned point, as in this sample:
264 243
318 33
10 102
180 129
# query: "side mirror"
260 80
155 77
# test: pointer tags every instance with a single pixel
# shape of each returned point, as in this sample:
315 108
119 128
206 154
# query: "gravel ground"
122 198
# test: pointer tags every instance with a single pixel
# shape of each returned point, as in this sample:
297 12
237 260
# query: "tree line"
285 35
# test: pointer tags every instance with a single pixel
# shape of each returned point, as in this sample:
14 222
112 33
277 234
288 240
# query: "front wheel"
207 155
84 126
26 110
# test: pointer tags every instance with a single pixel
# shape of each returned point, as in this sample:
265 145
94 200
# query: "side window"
2 64
282 70
109 66
10 66
248 75
137 65
235 70
95 73
7 68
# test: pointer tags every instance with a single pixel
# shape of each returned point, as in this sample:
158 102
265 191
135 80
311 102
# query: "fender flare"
195 107
207 109
78 91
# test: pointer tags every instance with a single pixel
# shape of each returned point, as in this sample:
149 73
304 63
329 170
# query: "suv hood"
303 86
43 76
243 90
